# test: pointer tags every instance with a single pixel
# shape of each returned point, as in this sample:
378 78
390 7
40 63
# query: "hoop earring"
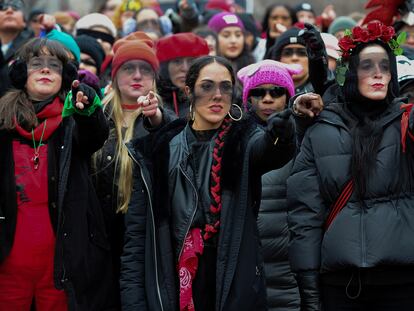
192 117
241 113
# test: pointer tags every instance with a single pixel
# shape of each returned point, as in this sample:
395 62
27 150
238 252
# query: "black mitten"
18 74
280 126
69 74
86 90
314 43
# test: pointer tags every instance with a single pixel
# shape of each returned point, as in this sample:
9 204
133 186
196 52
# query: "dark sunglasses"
16 5
288 52
260 93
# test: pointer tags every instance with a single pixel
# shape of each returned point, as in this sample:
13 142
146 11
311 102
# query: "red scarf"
53 114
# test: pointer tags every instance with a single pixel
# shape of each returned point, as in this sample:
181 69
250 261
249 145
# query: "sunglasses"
261 92
16 5
209 88
288 52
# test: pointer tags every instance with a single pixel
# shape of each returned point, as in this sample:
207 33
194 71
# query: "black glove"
86 90
281 127
69 74
18 74
314 43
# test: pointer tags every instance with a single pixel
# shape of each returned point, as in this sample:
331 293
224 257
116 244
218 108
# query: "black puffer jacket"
239 277
376 232
82 253
282 289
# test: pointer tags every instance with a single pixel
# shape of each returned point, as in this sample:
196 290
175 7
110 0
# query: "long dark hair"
15 104
367 131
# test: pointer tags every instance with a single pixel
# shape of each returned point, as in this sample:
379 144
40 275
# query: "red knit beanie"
185 44
136 46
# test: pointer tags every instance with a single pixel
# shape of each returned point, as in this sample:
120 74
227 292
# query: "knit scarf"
194 241
52 113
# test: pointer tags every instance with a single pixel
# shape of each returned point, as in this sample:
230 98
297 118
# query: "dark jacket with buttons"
82 251
149 260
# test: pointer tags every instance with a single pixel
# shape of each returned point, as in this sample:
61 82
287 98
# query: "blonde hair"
123 162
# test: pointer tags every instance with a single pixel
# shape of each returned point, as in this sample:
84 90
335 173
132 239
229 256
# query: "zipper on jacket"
363 246
194 212
153 228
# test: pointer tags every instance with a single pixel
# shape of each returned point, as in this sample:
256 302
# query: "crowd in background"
201 159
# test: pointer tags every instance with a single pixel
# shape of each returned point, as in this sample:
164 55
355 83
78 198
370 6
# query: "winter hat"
95 20
290 36
137 45
184 44
304 7
218 5
90 46
250 24
331 45
66 40
223 20
341 23
268 72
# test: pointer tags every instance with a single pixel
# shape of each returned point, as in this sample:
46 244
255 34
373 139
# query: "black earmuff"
18 74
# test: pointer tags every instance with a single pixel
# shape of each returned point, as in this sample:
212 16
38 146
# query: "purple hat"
223 20
268 72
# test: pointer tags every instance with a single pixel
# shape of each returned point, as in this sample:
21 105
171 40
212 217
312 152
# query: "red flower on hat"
388 33
346 44
360 35
375 30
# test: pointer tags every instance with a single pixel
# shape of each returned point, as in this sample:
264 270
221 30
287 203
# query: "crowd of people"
199 160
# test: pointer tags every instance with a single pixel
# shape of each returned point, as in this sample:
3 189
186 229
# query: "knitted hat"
223 20
268 72
90 46
96 20
66 40
250 24
218 5
290 36
341 23
184 44
331 45
304 7
138 46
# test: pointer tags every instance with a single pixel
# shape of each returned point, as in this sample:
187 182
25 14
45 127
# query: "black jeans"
367 297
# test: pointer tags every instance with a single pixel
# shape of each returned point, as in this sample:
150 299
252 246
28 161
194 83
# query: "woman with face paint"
202 180
53 244
350 193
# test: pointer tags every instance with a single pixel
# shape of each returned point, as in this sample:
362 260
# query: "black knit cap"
304 6
290 36
91 46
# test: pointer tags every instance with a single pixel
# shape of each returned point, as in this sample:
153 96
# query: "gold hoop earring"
192 117
241 113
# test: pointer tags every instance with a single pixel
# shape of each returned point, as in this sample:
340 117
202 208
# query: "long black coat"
82 252
148 241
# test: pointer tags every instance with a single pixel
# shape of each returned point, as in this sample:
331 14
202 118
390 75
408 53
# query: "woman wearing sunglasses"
201 194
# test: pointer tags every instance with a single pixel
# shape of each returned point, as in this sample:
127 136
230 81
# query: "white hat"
96 20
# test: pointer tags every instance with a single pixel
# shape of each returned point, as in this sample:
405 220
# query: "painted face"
267 99
177 69
296 54
279 20
88 63
213 94
231 42
148 19
44 77
134 79
374 73
410 35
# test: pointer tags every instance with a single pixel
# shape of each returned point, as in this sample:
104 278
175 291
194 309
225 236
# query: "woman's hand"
149 105
308 105
82 95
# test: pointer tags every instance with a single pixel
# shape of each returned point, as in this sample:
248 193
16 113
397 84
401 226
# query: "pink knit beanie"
223 20
268 72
